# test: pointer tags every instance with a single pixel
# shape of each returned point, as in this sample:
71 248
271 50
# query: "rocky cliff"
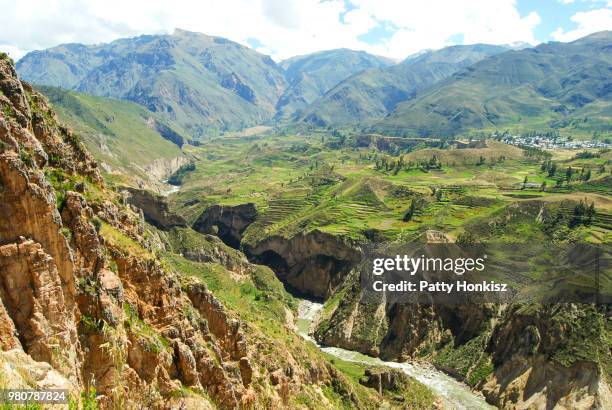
154 208
226 222
82 289
520 356
530 356
313 263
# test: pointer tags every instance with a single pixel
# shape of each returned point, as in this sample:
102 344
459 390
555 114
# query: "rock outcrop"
312 263
162 168
384 379
20 371
548 356
154 207
226 222
207 248
530 356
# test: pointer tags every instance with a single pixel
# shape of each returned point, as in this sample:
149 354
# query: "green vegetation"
300 184
120 241
376 92
29 406
262 302
312 75
406 394
469 361
87 401
150 340
201 86
122 135
393 190
63 182
520 89
222 87
437 162
177 177
258 298
4 56
588 333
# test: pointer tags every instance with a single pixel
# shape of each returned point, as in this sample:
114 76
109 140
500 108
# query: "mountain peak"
205 84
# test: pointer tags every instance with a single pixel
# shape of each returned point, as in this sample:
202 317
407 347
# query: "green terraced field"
299 184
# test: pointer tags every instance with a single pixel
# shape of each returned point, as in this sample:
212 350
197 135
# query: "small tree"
466 238
590 213
410 213
587 175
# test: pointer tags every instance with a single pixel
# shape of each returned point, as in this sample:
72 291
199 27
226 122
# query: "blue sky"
284 28
553 14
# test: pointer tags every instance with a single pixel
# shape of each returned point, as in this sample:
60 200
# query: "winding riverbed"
455 394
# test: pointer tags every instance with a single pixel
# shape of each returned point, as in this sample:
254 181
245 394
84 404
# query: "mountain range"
551 85
206 85
375 93
310 76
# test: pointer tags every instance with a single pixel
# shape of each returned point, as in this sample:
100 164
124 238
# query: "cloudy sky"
284 28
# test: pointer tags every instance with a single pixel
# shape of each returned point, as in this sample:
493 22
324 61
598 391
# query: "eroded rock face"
539 356
543 358
313 264
208 248
536 382
162 168
33 296
384 379
20 371
154 207
226 222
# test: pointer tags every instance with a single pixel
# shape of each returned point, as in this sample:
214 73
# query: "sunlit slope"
205 84
312 75
374 93
558 85
123 136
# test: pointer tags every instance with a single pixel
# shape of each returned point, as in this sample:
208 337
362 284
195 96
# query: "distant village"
551 142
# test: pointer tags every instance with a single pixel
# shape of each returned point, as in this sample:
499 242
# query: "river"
455 394
171 189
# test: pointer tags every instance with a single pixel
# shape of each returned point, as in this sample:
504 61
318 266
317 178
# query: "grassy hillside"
375 92
63 66
205 84
314 182
555 85
311 75
123 136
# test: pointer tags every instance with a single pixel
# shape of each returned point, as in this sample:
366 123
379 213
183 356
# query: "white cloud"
14 52
588 22
284 27
431 24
